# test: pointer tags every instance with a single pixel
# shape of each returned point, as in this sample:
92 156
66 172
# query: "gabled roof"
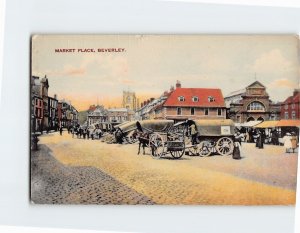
201 93
256 84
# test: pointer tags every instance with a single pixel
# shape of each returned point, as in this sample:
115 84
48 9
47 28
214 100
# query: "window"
219 112
286 115
293 115
206 111
211 99
178 111
293 105
192 111
286 106
195 99
256 106
181 98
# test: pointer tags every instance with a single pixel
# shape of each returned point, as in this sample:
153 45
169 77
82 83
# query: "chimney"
178 84
55 96
296 91
171 88
151 99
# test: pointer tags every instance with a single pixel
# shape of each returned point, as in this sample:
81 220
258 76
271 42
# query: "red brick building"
194 103
290 107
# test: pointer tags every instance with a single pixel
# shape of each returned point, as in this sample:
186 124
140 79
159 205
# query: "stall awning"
247 124
288 123
267 124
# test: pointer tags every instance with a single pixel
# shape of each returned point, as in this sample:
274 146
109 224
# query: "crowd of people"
290 140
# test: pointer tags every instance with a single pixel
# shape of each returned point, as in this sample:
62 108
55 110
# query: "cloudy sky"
149 65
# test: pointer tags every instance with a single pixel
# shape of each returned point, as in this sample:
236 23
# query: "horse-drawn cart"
163 137
214 136
159 135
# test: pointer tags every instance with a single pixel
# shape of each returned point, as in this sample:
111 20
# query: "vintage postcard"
164 119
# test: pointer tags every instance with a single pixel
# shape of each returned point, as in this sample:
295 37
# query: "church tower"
129 100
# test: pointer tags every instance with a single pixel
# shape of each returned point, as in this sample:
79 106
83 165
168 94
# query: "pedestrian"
194 133
88 134
287 142
237 145
294 141
60 130
260 139
84 133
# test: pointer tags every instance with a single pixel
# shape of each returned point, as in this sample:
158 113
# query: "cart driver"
194 133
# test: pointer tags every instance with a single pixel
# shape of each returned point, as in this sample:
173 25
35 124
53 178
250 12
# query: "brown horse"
144 138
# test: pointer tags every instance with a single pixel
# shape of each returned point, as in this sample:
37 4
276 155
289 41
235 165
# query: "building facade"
290 108
97 114
53 113
254 104
193 103
118 115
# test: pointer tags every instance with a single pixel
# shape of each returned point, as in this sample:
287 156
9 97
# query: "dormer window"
181 98
211 99
195 99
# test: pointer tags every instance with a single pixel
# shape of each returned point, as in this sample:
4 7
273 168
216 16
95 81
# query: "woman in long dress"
237 145
287 142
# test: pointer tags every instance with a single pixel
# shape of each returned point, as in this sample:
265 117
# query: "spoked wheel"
224 146
204 149
157 145
177 154
194 150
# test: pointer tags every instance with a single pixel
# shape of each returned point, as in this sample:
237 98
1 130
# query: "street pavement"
70 170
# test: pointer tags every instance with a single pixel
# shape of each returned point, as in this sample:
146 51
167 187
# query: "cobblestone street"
70 170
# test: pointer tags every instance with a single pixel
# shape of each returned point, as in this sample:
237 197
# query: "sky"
150 64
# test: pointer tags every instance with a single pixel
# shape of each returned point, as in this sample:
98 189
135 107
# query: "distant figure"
88 133
274 137
287 142
260 137
294 141
84 133
237 145
60 130
194 133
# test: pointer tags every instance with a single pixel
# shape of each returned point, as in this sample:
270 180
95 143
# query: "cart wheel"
224 146
177 154
204 149
194 150
157 145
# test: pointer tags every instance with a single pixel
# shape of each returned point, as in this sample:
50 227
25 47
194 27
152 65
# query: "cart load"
214 136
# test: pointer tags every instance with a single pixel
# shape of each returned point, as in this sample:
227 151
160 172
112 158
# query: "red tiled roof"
201 93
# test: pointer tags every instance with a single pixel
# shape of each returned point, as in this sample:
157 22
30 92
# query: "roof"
201 93
256 84
288 123
267 124
118 110
292 99
236 93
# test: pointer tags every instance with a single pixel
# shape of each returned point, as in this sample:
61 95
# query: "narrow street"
71 170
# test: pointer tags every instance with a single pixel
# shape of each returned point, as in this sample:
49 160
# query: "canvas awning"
288 123
267 124
247 124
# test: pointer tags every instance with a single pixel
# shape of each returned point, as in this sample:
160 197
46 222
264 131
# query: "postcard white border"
24 18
